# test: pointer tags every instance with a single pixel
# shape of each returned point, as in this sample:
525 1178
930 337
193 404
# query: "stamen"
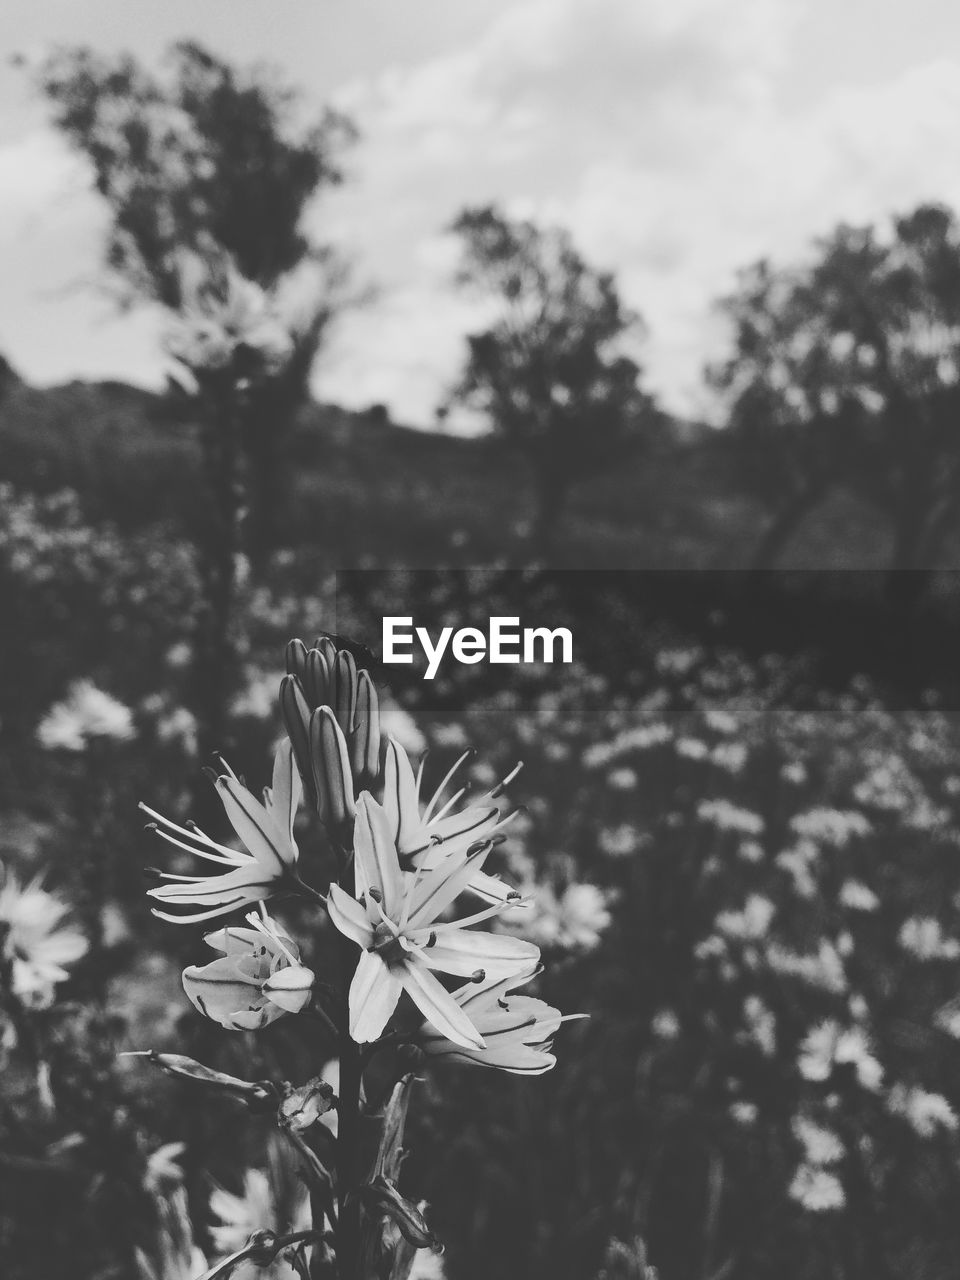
478 975
428 812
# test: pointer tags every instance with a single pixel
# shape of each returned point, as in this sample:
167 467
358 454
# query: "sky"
677 140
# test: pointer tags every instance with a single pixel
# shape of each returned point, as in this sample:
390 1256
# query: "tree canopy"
551 372
845 372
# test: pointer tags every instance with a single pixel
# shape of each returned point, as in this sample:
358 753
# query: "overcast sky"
677 139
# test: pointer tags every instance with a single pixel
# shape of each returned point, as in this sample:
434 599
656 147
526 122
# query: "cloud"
655 133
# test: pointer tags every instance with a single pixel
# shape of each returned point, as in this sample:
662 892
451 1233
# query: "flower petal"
464 951
290 988
400 800
374 993
258 830
437 888
438 1006
375 856
349 917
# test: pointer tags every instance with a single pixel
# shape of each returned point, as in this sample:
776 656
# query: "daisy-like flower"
393 918
425 836
265 829
257 978
517 1030
86 713
33 941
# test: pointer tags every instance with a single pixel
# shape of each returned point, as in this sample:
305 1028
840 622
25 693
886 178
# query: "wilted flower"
33 943
394 923
257 978
265 829
517 1030
86 712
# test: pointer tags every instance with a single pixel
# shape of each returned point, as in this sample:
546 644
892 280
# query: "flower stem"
348 1135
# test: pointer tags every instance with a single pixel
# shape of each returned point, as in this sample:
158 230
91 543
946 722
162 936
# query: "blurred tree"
209 162
845 374
550 373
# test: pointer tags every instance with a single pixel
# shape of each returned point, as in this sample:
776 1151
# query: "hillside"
366 490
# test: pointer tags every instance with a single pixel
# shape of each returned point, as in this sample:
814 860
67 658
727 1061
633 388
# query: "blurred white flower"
255 1209
622 779
398 723
752 921
816 1189
829 1044
925 1112
721 721
731 756
174 1256
640 738
855 895
225 314
691 748
823 969
33 942
258 696
761 1025
830 826
743 1112
86 712
619 842
730 817
821 1146
162 1171
924 938
573 920
794 772
665 1025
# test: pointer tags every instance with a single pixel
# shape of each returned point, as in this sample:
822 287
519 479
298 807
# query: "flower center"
387 944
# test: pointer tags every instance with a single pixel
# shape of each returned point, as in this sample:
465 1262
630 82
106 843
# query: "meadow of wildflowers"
715 914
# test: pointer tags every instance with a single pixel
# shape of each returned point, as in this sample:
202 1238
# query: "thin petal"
374 993
377 866
400 801
465 951
349 917
283 797
439 1007
259 831
437 888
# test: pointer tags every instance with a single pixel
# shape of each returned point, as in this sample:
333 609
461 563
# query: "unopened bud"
254 1093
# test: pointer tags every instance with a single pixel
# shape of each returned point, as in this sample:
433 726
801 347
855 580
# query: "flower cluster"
402 865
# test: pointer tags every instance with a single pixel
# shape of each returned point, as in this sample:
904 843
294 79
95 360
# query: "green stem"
348 1134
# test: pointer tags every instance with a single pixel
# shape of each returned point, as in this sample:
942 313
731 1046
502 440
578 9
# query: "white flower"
393 919
33 942
691 748
257 978
222 316
574 920
425 835
622 779
830 826
925 1112
517 1030
923 937
817 1189
86 712
265 829
619 842
753 921
829 1044
857 897
255 1209
730 817
821 1146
